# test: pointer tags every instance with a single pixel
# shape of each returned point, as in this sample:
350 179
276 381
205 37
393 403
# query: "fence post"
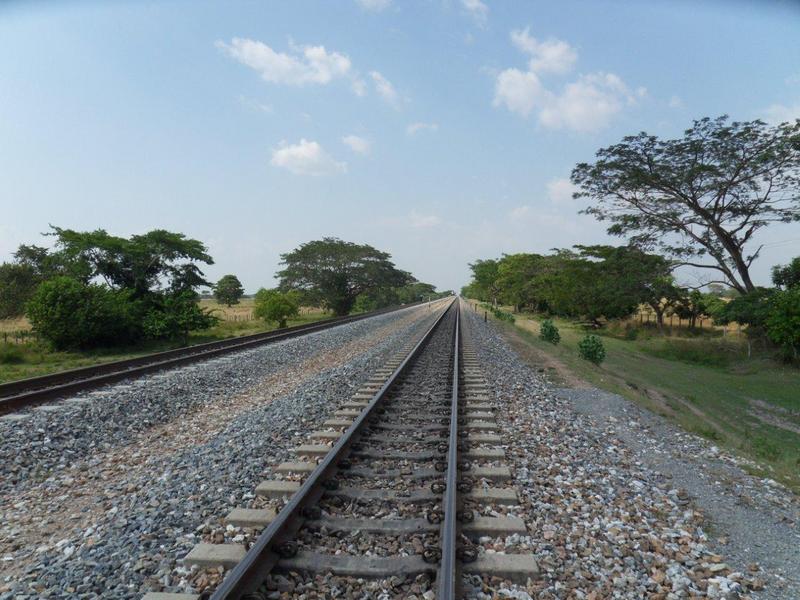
484 316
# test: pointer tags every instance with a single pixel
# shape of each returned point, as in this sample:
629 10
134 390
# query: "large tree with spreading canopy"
700 198
332 272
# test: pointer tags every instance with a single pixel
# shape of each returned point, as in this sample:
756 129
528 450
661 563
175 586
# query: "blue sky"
439 130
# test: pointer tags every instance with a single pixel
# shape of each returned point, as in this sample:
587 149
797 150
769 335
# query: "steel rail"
25 392
253 569
447 577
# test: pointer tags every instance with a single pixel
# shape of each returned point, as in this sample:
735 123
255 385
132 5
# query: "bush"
71 314
175 316
591 349
549 332
276 306
503 315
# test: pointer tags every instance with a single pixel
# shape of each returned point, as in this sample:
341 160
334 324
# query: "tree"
787 276
276 306
702 196
662 295
484 280
156 260
17 285
332 272
72 314
515 278
175 315
783 321
228 290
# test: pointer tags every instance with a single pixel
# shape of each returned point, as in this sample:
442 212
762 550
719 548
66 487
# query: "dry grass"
244 310
17 324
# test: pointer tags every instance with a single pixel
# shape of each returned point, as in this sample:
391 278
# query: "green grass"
19 361
705 383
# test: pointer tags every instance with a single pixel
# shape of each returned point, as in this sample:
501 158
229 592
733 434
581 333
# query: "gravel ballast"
621 504
103 493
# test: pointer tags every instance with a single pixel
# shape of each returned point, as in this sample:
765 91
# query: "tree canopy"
228 290
156 260
701 198
112 289
276 306
332 273
591 282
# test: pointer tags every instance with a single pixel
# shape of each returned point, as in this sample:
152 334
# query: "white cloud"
306 64
415 128
560 190
477 10
550 56
520 91
419 221
675 102
306 158
374 5
385 88
781 113
587 104
357 144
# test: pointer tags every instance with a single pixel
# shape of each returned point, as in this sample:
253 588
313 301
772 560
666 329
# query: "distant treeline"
95 289
598 284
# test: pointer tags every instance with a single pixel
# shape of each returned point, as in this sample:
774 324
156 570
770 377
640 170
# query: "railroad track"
20 394
402 487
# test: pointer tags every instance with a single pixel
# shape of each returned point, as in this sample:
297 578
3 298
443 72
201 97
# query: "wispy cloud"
781 113
255 104
477 11
357 144
414 128
305 65
385 89
560 190
306 158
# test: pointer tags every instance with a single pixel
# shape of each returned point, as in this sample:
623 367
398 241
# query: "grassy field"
30 359
706 384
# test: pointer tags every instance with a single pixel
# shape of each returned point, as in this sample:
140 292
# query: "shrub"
591 349
276 306
175 316
503 315
549 332
71 314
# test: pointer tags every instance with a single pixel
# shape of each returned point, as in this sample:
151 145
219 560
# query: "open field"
707 385
30 359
